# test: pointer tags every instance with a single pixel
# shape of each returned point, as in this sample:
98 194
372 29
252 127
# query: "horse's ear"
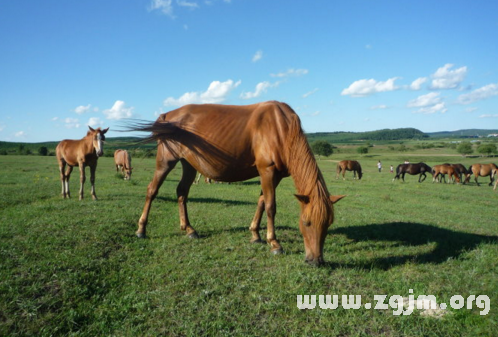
302 198
91 128
336 198
105 130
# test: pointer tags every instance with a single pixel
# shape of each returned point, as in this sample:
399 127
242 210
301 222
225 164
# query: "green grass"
75 268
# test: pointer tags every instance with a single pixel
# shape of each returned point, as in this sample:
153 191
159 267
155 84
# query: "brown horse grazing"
348 165
441 170
482 170
83 152
236 143
122 160
412 169
461 171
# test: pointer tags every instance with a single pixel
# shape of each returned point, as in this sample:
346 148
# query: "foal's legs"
182 191
65 186
65 178
82 179
92 180
165 162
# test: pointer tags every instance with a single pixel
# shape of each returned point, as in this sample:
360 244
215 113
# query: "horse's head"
98 138
128 172
316 218
360 174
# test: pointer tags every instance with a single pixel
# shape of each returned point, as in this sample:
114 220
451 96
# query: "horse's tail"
158 130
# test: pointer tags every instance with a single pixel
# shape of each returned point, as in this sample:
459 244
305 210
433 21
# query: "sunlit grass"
74 267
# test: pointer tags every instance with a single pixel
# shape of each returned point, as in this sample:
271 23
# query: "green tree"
322 148
43 151
465 149
362 150
486 149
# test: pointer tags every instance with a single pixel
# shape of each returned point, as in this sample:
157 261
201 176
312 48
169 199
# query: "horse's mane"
303 167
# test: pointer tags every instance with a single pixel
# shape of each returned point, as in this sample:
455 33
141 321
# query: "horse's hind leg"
163 168
182 191
65 187
256 221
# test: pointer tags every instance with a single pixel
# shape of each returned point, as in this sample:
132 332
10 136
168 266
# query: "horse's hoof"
277 251
257 241
193 235
141 235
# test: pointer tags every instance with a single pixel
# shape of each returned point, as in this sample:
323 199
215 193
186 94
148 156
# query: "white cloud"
291 72
470 109
82 109
261 88
431 98
489 116
183 3
309 93
165 6
439 107
72 123
487 91
258 56
367 87
19 134
118 111
429 104
95 122
444 78
379 107
417 84
216 93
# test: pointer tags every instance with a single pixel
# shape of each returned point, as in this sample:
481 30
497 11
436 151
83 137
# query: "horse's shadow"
448 244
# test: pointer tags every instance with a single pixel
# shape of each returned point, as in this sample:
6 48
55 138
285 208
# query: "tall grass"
75 268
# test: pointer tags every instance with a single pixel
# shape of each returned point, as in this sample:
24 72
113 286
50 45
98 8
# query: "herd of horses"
456 172
229 143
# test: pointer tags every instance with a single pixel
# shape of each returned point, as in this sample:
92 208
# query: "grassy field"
75 268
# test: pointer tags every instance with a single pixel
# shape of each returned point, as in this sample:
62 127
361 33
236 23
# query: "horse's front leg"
182 192
269 182
82 179
256 221
93 168
163 168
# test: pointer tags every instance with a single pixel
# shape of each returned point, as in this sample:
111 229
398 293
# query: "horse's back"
216 138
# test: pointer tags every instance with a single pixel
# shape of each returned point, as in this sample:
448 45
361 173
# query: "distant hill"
379 135
468 133
385 135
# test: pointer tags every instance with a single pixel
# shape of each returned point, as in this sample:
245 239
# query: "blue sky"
342 65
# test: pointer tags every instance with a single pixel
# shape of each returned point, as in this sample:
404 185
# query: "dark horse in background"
235 143
482 170
82 153
412 169
349 165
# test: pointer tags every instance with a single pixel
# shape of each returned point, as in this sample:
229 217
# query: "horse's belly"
229 174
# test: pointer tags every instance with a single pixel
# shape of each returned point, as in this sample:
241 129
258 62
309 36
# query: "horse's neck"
87 144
